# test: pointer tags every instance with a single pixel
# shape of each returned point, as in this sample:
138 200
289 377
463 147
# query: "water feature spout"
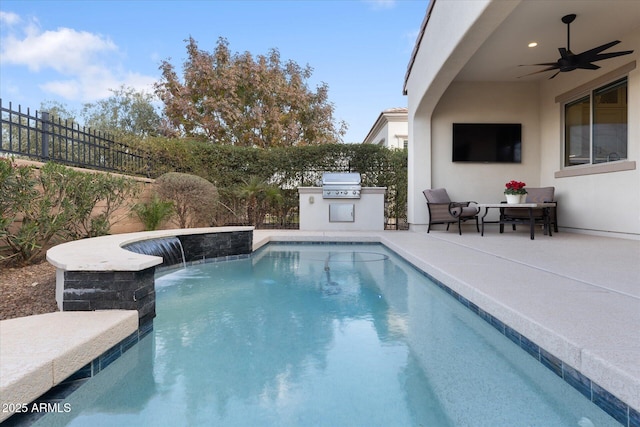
169 248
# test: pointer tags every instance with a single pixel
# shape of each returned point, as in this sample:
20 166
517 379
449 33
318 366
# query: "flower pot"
513 198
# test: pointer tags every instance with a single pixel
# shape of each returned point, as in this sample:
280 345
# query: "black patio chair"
535 195
444 211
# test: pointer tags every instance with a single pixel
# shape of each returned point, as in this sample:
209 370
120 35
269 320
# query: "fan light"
533 44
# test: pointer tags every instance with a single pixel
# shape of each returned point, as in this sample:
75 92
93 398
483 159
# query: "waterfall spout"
169 248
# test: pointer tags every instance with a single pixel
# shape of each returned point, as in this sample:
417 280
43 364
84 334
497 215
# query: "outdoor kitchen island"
341 204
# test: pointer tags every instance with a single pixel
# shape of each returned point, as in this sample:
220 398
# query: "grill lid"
341 178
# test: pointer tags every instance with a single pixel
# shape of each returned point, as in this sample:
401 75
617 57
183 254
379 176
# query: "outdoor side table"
531 220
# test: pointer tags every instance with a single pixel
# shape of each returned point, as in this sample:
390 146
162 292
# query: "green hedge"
288 168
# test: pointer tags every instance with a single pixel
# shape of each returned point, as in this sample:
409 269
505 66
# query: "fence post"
45 135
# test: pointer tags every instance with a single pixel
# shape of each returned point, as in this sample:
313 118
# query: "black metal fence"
41 137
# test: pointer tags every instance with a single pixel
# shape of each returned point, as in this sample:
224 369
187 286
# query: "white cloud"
9 18
381 4
76 65
64 50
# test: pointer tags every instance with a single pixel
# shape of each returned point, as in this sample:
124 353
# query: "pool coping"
28 371
106 253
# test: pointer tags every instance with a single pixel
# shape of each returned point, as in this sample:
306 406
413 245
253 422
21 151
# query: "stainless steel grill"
337 185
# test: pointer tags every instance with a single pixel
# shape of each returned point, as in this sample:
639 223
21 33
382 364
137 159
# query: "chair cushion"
437 195
469 212
539 195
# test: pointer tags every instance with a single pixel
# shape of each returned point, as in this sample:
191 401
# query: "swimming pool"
302 334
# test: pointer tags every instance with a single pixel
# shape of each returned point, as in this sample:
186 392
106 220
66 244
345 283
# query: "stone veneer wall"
135 290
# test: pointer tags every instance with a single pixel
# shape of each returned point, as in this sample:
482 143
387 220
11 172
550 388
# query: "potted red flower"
515 192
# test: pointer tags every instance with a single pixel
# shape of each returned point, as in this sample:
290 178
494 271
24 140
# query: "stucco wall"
436 64
601 202
122 221
380 138
368 210
396 134
485 103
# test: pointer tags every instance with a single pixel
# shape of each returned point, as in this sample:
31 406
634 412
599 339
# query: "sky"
75 52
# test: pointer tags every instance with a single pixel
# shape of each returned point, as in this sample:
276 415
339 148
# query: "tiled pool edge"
605 400
601 397
52 399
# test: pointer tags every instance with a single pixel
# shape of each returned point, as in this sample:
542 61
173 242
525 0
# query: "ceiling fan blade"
564 53
554 67
552 64
602 56
570 61
597 50
587 66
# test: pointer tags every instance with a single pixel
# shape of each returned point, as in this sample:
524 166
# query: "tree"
58 111
234 99
125 112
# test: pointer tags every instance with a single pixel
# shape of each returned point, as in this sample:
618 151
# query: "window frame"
592 141
574 95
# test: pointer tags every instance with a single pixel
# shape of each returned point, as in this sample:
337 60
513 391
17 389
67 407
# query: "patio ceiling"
597 22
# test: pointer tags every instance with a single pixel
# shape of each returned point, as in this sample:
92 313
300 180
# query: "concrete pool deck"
575 295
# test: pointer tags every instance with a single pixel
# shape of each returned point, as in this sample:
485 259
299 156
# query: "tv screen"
487 142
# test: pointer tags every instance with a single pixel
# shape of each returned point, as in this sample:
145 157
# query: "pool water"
321 335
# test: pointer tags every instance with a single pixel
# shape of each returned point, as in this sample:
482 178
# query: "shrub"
109 192
194 198
260 198
40 208
153 212
57 203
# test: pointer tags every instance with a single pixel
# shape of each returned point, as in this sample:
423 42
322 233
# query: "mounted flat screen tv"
487 142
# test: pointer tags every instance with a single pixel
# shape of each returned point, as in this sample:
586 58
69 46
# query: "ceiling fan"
570 61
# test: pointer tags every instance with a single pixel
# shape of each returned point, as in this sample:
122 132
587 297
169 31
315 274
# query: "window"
596 126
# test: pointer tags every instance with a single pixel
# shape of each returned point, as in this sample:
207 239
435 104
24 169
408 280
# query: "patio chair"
443 211
535 195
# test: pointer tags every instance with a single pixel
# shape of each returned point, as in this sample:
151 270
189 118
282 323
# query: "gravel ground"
25 291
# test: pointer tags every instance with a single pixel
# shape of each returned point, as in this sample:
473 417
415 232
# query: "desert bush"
194 198
109 192
38 209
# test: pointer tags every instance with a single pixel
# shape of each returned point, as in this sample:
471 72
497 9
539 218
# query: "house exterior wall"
437 68
396 134
381 137
467 103
390 129
596 202
602 203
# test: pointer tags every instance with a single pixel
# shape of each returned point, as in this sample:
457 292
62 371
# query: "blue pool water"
321 335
